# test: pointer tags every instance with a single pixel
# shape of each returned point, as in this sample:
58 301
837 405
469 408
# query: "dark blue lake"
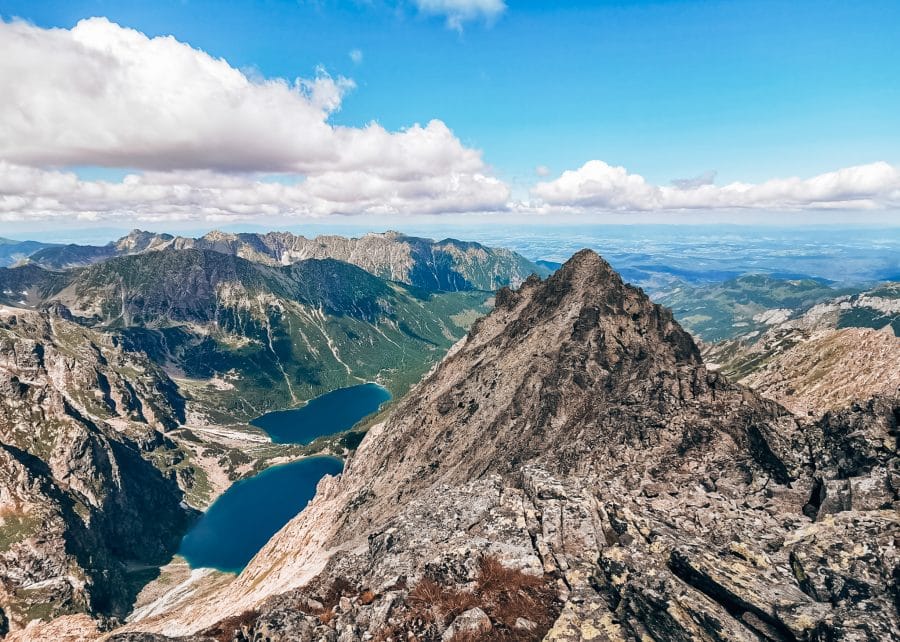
245 517
325 415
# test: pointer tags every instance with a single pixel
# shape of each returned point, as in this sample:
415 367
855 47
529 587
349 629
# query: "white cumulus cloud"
597 186
459 12
103 95
34 194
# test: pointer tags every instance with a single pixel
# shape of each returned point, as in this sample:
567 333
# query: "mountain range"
128 383
563 460
443 265
746 304
12 252
276 335
572 470
821 358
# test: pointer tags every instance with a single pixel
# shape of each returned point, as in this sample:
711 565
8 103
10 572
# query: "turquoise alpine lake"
245 517
325 415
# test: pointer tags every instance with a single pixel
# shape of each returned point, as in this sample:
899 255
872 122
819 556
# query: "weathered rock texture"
575 438
78 499
809 366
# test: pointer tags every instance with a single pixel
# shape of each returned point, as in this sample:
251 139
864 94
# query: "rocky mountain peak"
571 385
139 240
604 310
576 371
219 235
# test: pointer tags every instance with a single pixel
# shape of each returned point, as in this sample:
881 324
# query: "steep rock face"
101 376
444 265
576 438
141 241
77 498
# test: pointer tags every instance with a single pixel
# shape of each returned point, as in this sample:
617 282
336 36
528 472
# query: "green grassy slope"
275 336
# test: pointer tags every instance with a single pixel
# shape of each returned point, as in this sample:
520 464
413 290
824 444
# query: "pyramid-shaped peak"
586 265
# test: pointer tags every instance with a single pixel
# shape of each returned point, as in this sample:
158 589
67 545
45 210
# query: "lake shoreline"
267 499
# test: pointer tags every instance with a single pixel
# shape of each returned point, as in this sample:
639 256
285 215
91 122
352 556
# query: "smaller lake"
245 517
325 415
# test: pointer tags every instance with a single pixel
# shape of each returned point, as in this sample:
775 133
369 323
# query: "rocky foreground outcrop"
80 418
572 471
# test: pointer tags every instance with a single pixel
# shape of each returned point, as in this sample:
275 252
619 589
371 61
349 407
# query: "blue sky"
750 90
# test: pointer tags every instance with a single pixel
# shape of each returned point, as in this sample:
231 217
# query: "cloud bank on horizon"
597 185
202 141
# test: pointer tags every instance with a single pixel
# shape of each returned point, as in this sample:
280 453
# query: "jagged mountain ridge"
61 257
449 264
80 418
575 434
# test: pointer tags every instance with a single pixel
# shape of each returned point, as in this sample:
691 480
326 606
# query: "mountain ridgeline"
569 469
275 335
822 358
447 265
573 471
11 252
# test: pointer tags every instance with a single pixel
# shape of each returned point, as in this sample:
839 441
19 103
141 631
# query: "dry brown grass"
224 630
367 597
426 592
504 594
494 576
339 588
510 594
448 602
